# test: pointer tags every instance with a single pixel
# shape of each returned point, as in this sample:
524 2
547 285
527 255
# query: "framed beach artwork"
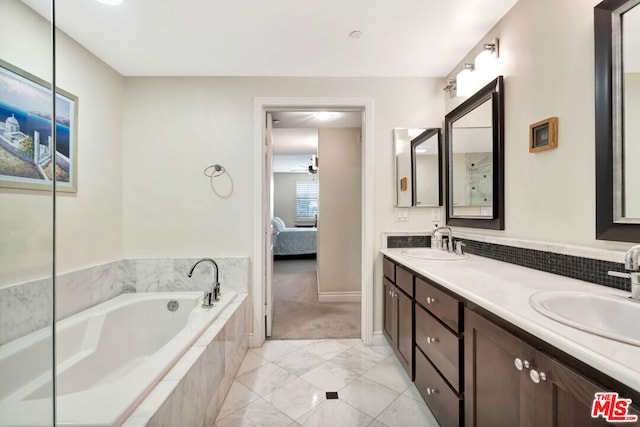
28 156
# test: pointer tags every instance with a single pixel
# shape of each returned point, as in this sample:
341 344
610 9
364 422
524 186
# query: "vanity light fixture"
464 80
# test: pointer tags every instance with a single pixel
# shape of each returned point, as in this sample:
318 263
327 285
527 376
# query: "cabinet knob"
432 340
431 300
431 391
536 376
520 364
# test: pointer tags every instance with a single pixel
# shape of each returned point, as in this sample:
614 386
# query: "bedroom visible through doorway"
316 219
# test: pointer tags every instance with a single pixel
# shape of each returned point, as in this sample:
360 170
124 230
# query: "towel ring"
215 171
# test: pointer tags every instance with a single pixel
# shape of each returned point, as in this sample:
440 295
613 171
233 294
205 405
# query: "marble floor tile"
250 362
327 349
265 379
329 377
238 397
413 393
299 362
389 373
296 398
358 360
405 411
302 343
272 350
368 396
334 413
255 414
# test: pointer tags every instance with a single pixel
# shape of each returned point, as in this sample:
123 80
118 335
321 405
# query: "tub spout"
213 294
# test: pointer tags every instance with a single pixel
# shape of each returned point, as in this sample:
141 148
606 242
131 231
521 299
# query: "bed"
291 240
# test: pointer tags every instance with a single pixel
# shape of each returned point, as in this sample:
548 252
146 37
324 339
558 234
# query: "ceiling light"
323 115
111 2
356 34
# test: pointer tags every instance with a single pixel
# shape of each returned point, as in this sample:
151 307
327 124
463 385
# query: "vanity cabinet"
398 312
508 382
439 352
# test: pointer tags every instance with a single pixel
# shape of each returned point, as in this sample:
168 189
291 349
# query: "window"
306 201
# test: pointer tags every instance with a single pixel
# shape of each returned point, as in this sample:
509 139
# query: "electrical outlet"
435 214
402 214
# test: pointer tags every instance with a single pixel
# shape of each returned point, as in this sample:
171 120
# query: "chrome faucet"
214 293
631 264
440 243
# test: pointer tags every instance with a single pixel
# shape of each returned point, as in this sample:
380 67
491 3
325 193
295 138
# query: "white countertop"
504 289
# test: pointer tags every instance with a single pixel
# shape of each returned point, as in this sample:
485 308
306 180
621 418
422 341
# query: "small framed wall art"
543 135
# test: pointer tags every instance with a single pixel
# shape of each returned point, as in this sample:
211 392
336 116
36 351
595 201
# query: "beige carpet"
297 314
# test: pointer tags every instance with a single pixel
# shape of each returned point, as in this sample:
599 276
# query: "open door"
267 214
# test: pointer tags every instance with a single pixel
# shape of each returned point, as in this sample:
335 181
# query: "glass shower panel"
26 215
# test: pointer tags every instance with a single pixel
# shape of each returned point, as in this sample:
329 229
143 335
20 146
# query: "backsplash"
577 267
26 307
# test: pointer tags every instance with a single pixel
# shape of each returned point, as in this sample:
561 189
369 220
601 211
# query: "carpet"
297 314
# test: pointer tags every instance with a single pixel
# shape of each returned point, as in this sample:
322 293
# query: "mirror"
474 160
617 98
426 159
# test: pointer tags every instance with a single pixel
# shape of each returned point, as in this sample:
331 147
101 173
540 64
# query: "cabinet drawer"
440 345
389 269
404 280
442 305
443 402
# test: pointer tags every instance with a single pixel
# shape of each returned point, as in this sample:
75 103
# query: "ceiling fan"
312 168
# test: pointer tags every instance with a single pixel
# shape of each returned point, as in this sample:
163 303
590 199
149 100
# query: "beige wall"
89 222
547 62
284 195
339 210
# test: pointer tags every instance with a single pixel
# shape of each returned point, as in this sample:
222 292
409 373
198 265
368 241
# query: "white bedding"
293 241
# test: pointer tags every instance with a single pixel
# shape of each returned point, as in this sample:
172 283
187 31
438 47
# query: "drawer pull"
536 376
432 300
431 391
432 340
520 364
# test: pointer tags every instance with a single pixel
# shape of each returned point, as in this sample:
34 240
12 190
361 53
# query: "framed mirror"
617 114
403 171
426 158
474 160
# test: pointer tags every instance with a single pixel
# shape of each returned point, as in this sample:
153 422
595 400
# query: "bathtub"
109 358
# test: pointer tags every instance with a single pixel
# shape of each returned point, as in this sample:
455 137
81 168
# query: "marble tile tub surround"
588 264
26 307
193 391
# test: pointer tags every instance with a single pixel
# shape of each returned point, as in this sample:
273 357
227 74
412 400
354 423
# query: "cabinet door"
492 382
404 344
389 311
558 396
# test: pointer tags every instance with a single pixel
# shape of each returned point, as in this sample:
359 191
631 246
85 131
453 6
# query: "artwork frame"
543 135
26 140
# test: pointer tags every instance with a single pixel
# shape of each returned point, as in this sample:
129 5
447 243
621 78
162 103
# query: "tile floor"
284 383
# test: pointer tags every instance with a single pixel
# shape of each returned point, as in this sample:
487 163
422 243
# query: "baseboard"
379 338
339 296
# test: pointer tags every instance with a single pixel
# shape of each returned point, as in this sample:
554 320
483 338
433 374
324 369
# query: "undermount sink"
610 316
433 254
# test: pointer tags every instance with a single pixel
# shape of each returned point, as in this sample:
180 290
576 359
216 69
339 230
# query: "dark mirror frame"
606 228
414 143
495 92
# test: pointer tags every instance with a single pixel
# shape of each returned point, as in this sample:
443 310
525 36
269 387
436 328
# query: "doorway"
317 174
260 308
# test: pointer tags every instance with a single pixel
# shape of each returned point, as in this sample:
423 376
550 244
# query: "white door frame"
260 107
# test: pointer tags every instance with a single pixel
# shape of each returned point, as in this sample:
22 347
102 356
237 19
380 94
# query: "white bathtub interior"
108 358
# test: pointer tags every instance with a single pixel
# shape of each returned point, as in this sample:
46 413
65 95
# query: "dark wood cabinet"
398 314
510 383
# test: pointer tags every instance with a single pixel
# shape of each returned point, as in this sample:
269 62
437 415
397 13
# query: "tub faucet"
440 243
213 294
631 264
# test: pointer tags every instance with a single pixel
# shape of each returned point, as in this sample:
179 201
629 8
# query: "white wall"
175 127
339 210
632 135
546 57
284 195
89 222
